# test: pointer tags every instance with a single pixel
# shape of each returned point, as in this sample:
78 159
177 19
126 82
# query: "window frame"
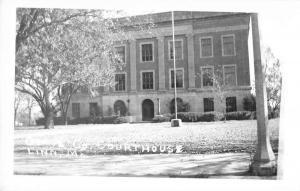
141 80
96 111
170 78
169 48
213 101
122 45
212 46
125 82
153 53
201 70
235 103
73 110
234 49
235 71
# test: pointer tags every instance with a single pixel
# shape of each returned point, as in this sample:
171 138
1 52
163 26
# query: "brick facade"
190 27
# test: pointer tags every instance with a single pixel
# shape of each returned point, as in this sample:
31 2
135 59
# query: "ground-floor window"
231 104
208 104
94 111
120 108
76 110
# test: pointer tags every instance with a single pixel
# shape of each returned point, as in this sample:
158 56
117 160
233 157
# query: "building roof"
178 16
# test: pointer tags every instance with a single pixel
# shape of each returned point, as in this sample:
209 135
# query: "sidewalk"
228 165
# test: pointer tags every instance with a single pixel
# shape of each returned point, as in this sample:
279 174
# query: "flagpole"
174 65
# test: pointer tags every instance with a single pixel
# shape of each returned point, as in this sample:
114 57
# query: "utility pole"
264 163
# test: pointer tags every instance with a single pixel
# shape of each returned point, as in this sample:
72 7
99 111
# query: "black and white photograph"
173 93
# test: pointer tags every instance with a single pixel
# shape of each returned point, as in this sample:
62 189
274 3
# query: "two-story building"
206 43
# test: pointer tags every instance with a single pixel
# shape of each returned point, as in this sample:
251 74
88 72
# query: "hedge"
207 116
240 115
100 120
86 120
197 116
161 118
56 120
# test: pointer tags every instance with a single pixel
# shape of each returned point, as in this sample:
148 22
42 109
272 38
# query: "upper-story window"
207 74
121 53
206 47
147 52
178 49
228 45
147 80
229 74
179 78
120 82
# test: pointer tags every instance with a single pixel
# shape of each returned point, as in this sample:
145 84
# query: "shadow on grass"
230 165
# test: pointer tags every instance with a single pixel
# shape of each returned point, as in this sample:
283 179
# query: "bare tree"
17 103
56 48
273 80
24 104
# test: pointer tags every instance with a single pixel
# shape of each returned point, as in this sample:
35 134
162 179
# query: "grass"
200 137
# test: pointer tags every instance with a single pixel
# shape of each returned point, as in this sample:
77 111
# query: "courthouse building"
205 43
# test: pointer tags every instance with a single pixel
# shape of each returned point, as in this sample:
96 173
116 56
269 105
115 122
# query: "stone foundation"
133 101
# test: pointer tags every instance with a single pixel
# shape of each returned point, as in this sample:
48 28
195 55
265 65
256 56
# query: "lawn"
200 137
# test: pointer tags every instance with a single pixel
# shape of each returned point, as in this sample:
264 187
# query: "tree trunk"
49 113
15 117
49 123
65 117
29 116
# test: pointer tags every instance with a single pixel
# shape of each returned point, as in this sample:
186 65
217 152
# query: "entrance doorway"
147 110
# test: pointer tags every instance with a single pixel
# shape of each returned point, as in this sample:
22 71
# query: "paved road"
228 165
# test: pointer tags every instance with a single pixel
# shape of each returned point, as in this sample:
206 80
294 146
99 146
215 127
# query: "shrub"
197 116
56 121
99 120
120 120
249 103
211 116
82 120
181 106
240 115
161 118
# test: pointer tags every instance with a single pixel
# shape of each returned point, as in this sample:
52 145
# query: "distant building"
204 41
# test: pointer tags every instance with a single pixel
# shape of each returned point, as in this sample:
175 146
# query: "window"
121 53
229 73
120 108
228 45
207 76
179 78
76 110
120 82
208 104
206 45
147 81
147 52
178 49
231 104
94 111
